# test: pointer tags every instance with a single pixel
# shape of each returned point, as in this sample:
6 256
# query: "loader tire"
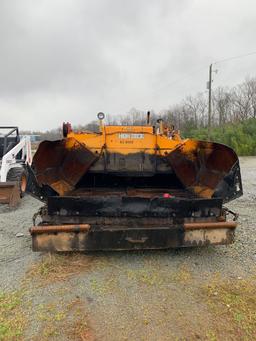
19 175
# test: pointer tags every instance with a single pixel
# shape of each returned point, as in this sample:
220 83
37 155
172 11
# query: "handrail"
10 157
13 129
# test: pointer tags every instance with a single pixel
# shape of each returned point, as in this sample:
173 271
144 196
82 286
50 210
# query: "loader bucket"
60 164
9 193
207 169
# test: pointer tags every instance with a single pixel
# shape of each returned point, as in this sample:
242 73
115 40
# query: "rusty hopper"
132 187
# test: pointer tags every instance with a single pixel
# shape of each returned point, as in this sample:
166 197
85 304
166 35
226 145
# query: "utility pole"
210 102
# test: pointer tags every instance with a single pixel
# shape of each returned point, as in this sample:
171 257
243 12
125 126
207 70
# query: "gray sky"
68 59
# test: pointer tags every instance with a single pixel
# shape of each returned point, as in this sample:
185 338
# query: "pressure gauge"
101 116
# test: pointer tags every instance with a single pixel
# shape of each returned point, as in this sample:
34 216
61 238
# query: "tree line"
229 105
233 118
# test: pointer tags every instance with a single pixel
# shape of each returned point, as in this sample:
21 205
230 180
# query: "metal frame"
9 159
13 129
96 220
130 223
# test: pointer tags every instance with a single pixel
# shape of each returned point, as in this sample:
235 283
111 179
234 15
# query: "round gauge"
101 116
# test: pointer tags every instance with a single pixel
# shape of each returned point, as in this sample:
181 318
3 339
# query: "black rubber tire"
19 175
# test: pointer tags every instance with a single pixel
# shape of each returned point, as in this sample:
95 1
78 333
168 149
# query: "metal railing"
5 136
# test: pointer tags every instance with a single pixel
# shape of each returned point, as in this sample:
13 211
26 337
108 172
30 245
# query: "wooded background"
233 119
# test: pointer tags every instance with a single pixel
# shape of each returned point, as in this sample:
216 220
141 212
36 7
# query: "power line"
235 57
181 79
165 86
210 85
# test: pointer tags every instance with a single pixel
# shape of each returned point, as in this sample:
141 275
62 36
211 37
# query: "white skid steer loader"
15 153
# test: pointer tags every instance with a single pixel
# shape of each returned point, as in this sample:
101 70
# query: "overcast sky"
65 60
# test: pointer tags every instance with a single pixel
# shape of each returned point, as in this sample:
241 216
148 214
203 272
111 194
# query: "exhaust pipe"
148 118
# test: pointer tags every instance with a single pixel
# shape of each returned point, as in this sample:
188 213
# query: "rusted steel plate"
207 167
9 193
59 242
214 236
102 238
61 164
54 238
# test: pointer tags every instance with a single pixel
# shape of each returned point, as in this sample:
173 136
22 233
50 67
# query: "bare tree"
250 85
229 105
193 108
222 104
242 101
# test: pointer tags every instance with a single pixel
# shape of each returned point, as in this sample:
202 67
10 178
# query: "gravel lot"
129 295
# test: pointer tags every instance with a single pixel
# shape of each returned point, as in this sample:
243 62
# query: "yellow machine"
132 187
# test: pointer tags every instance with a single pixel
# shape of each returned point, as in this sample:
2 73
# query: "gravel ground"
15 252
152 295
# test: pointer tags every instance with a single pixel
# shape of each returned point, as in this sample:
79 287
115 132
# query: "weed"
182 275
235 302
12 319
54 267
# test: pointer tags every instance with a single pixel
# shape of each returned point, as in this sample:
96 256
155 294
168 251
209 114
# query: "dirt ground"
188 294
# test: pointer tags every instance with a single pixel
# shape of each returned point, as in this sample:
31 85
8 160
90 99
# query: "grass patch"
60 318
54 267
12 319
56 318
182 275
63 321
145 277
103 287
153 277
234 302
80 330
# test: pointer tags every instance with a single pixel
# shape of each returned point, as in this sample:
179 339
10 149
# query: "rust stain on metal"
132 187
59 228
201 165
200 237
97 239
61 164
59 242
210 225
9 193
68 240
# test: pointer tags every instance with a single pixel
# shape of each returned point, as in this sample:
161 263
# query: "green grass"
234 302
12 320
